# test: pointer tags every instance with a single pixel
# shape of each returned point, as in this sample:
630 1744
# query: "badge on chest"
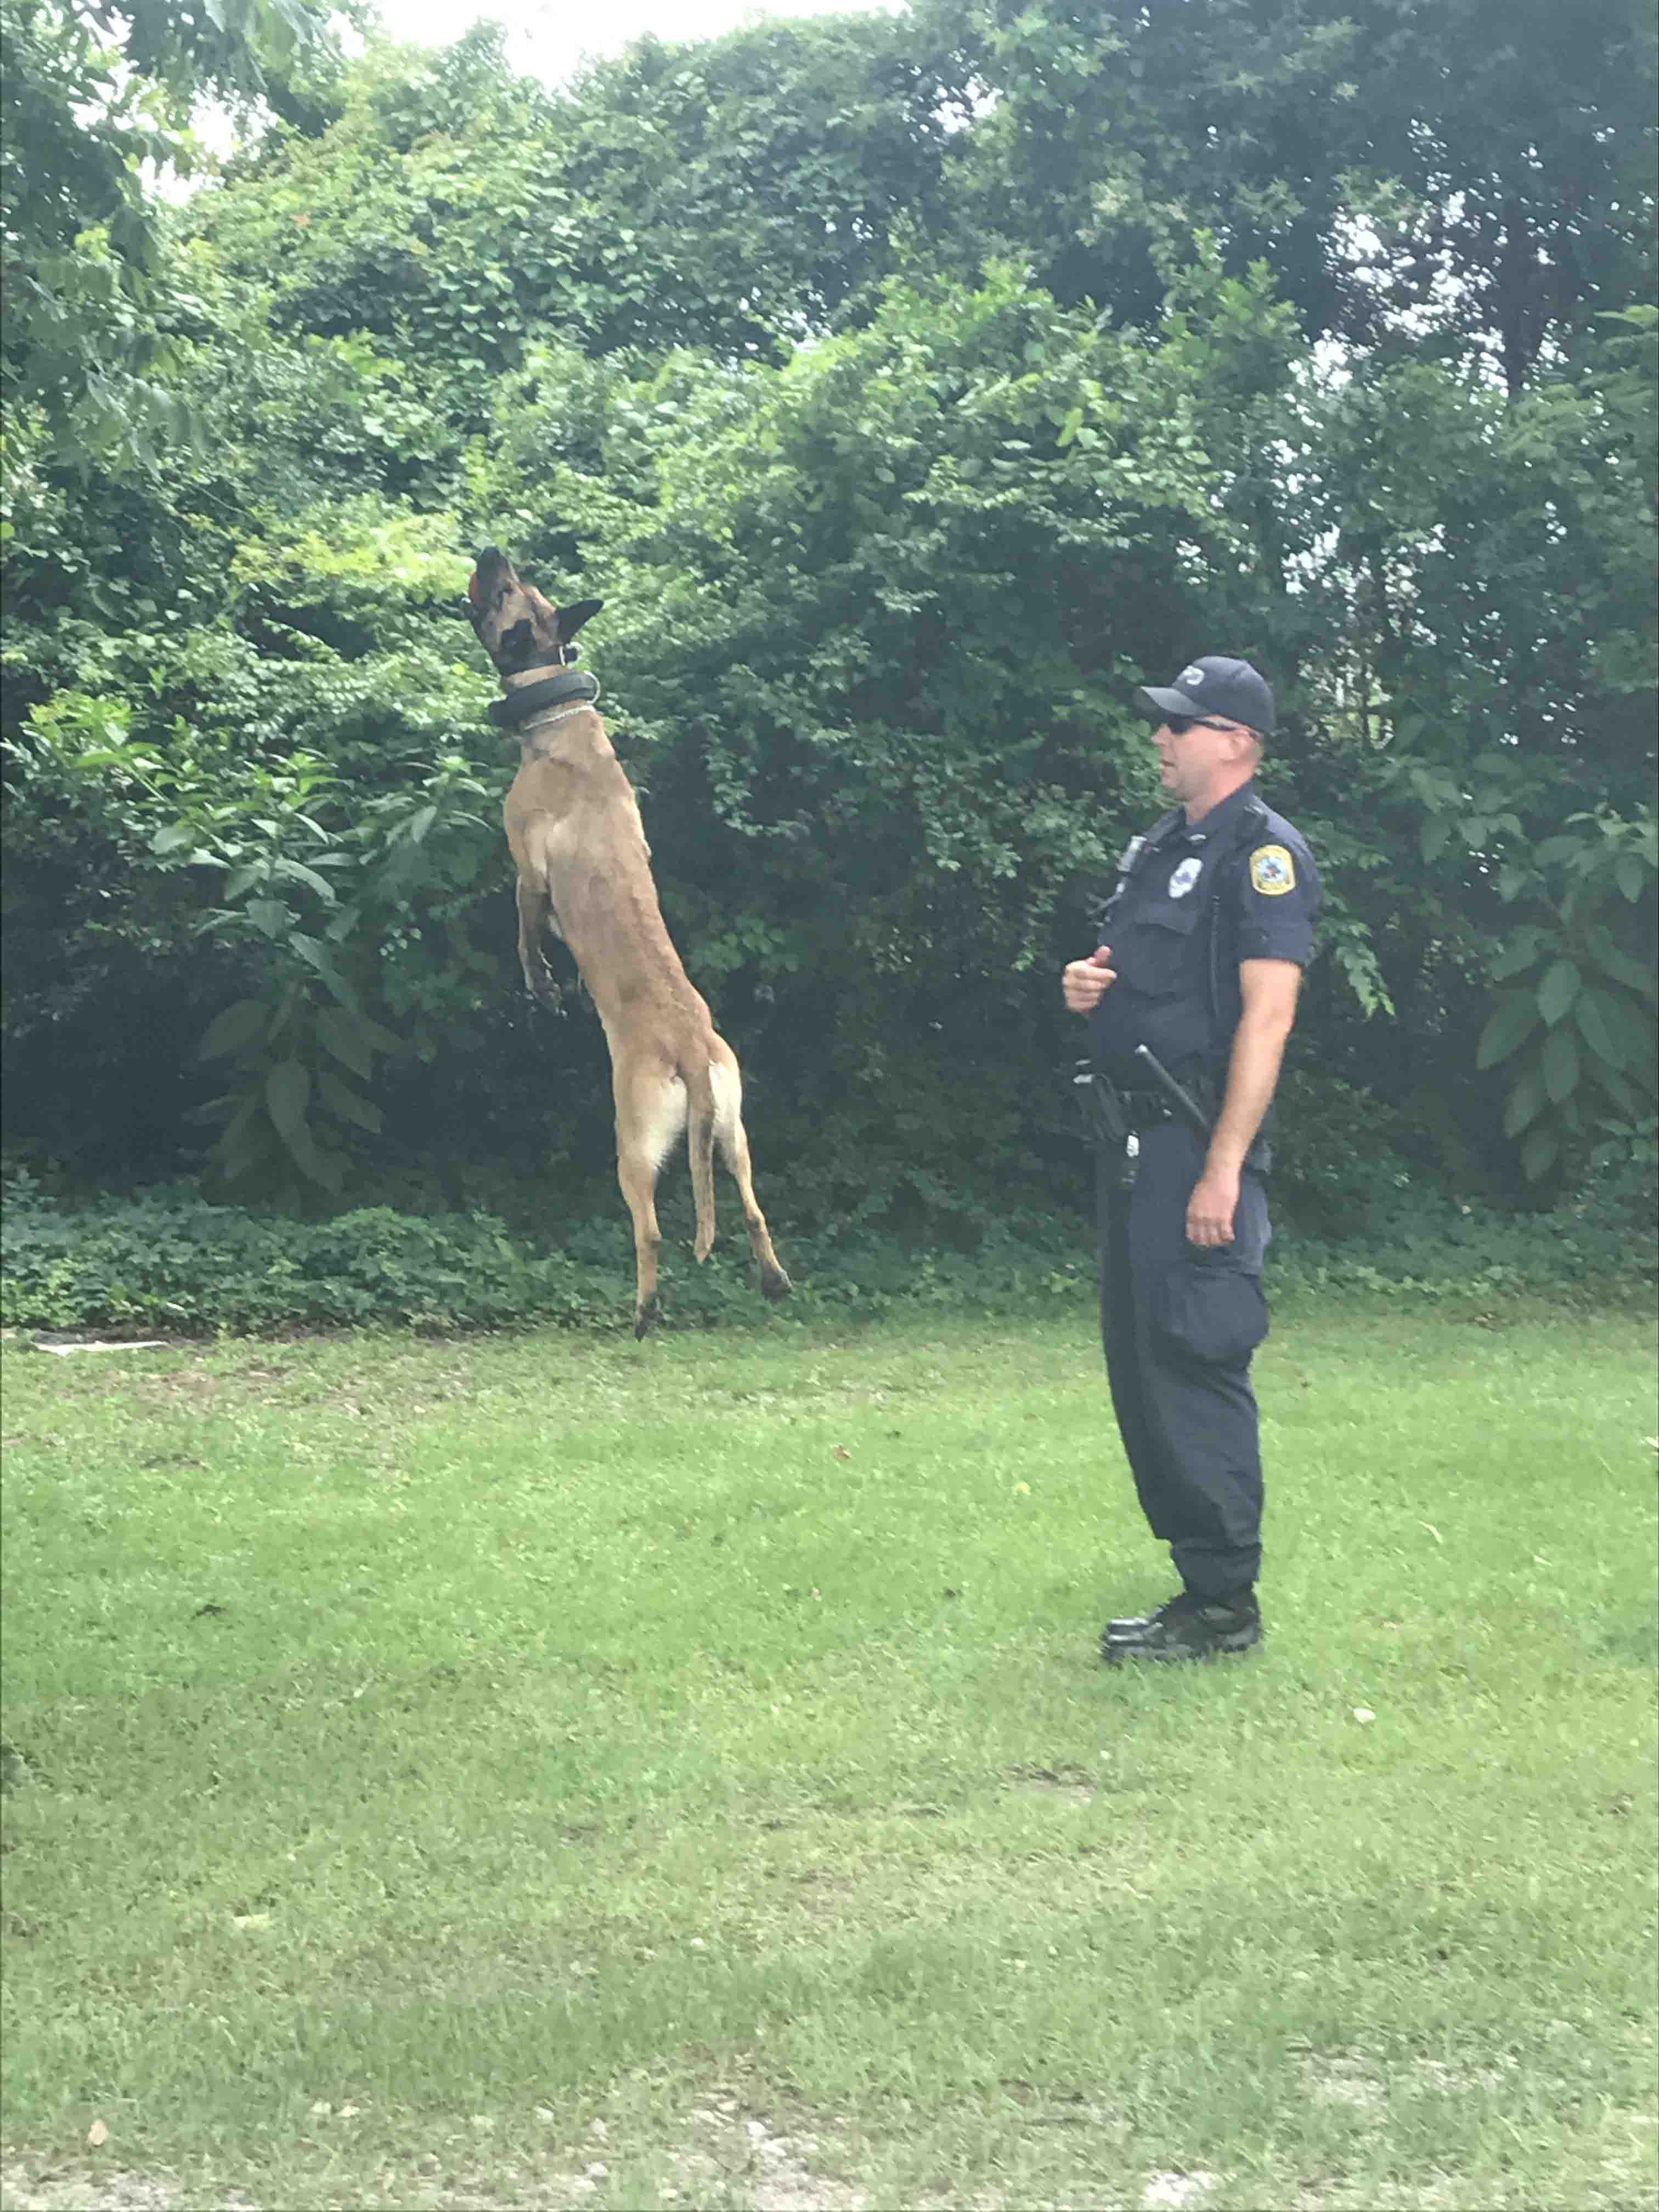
1187 874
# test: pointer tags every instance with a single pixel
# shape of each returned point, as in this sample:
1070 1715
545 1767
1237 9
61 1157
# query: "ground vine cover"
548 1771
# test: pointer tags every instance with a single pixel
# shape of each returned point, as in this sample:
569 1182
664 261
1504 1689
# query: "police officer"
1207 936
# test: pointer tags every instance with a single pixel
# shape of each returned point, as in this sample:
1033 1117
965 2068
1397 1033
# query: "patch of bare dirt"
1167 2193
71 2188
1069 1784
726 2158
1345 2079
746 2166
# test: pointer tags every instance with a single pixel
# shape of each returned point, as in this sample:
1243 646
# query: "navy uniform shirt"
1240 886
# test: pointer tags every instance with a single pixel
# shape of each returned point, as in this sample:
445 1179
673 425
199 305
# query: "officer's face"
1191 755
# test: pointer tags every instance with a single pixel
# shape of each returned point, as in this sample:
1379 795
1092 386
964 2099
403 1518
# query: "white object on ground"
113 1344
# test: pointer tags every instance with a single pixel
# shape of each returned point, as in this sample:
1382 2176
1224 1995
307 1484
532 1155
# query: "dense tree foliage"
90 95
909 387
1484 164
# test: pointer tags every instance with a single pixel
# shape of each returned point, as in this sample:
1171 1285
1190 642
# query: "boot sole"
1114 1653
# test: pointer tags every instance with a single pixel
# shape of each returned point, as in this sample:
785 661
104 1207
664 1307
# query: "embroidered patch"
1185 875
1273 872
1192 676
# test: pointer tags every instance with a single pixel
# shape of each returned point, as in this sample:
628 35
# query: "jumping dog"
584 868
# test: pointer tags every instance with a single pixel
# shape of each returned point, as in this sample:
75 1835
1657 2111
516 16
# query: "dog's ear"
571 619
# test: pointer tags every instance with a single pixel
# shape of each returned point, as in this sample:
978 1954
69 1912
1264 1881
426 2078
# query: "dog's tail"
700 1141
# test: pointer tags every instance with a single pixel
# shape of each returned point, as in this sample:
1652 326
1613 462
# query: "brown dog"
584 870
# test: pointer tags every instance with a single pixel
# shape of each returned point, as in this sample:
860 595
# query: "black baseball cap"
1214 685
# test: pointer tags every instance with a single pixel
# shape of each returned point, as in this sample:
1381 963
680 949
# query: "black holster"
1106 1120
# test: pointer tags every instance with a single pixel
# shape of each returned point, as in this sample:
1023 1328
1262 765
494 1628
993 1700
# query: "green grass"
705 1740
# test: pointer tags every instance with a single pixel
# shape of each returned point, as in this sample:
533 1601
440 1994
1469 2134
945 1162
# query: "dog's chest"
590 842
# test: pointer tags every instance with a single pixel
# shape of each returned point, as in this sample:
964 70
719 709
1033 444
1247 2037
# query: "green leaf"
297 869
1560 1064
1508 1028
245 1153
1630 875
269 916
1539 1152
247 1144
1598 1016
1622 968
244 1118
344 1037
1622 1094
287 1092
322 1166
238 1025
1520 952
346 1103
316 955
1557 990
1558 848
1525 1102
380 1039
170 839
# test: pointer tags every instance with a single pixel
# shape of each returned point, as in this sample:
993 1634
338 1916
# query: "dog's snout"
492 573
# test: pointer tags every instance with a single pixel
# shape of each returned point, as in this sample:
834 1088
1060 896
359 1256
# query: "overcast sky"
546 38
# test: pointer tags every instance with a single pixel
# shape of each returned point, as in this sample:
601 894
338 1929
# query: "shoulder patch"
1273 872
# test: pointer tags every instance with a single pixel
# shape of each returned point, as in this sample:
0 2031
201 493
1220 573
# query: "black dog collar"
528 699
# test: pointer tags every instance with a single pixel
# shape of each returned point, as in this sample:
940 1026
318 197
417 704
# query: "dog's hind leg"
650 1112
734 1151
700 1143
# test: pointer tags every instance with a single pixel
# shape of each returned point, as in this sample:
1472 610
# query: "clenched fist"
1083 981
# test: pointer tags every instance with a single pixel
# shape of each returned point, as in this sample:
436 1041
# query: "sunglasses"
1178 725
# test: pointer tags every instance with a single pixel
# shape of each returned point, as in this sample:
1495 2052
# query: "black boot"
1136 1623
1190 1627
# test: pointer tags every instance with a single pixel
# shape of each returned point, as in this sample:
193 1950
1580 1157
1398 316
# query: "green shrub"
1419 1242
172 1262
168 1261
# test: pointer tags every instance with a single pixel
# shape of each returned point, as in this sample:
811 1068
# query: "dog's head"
516 626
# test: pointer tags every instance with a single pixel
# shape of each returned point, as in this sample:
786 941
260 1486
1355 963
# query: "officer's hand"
1210 1209
1083 981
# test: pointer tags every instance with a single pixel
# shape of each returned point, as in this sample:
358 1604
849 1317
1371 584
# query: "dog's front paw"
542 988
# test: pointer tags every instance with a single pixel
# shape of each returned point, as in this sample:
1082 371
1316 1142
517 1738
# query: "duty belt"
1156 1094
1115 1114
1146 1109
1114 1111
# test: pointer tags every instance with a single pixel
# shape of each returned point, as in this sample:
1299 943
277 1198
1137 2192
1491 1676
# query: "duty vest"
1190 904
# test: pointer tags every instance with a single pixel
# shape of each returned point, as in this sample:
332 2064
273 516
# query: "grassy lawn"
556 1772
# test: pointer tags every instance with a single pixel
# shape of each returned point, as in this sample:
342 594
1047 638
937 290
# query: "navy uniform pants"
1180 1322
